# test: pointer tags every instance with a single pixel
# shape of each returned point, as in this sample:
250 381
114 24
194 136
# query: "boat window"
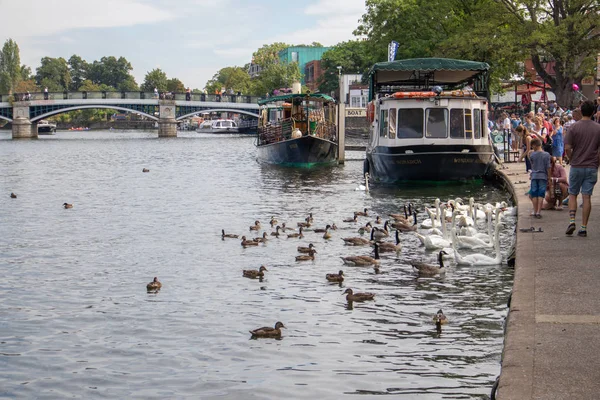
218 124
436 123
225 124
410 123
468 124
476 124
457 123
483 124
392 123
383 123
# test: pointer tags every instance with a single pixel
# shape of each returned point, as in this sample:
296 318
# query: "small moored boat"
218 126
428 121
297 130
46 127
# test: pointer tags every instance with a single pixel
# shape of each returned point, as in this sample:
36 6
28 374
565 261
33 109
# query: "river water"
76 320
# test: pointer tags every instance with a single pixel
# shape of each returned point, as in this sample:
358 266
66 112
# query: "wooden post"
341 133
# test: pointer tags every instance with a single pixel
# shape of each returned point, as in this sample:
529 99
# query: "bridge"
24 110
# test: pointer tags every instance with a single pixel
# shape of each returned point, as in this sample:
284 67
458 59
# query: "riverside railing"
219 98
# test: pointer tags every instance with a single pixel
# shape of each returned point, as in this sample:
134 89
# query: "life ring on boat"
459 93
413 95
371 111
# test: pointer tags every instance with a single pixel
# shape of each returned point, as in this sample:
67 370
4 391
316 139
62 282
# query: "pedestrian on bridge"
46 93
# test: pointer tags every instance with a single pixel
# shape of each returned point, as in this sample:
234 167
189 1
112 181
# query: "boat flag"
392 48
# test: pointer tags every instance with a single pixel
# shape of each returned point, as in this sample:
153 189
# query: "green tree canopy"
276 76
54 74
175 85
352 56
234 78
78 69
113 72
268 54
155 79
10 66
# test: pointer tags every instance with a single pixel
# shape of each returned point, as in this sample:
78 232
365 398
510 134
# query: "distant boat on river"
46 127
218 126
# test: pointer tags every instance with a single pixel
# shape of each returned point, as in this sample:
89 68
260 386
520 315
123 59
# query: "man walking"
582 145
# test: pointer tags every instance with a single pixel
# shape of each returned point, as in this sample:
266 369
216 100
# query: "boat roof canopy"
304 96
424 73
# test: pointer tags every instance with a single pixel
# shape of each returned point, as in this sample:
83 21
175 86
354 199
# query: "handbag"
557 194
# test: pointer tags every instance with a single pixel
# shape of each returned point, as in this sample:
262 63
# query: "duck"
404 226
353 219
478 259
228 235
322 230
306 249
380 233
305 224
351 296
256 226
333 227
13 196
307 257
327 234
362 261
253 273
339 277
155 285
363 213
296 235
378 220
440 318
268 332
67 205
276 233
261 239
283 227
273 221
391 247
424 269
310 218
145 170
401 217
356 241
246 242
365 229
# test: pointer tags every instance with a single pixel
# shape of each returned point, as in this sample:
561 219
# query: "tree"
26 86
112 72
174 85
26 73
566 32
352 56
234 78
276 76
155 79
268 54
10 66
54 74
78 69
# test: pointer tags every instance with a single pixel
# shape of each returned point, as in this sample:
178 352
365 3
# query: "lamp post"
339 68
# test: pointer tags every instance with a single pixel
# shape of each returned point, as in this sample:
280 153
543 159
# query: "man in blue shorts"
582 145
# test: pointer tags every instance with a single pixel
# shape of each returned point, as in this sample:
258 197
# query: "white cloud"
35 18
333 7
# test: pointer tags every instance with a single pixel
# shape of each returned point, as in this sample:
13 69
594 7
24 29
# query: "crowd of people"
549 139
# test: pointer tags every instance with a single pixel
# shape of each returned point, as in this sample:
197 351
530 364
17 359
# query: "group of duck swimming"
406 222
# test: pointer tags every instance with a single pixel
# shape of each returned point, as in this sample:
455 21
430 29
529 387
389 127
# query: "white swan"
480 259
365 187
435 242
434 219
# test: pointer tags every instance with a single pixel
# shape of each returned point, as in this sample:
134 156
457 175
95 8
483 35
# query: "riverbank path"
552 341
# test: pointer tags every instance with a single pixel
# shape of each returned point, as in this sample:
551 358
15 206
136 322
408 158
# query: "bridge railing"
219 98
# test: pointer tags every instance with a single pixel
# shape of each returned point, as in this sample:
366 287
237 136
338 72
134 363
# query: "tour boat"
428 121
46 127
218 126
297 130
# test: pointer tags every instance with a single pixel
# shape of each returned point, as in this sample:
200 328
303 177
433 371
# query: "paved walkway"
552 344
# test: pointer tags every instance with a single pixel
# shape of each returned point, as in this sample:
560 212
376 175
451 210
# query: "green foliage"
26 73
113 72
268 54
78 69
10 66
352 56
26 86
175 85
276 76
54 74
234 78
155 79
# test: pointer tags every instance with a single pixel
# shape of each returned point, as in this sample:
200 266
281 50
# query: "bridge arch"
5 118
231 110
90 106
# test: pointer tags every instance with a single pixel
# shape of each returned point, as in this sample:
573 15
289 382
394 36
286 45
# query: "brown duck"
67 205
351 296
276 233
356 241
391 247
425 269
145 170
246 242
307 257
363 213
362 261
13 196
299 235
256 226
228 235
339 277
268 332
353 219
154 286
306 249
262 239
253 273
322 230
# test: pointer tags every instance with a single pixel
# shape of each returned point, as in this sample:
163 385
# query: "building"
312 75
302 55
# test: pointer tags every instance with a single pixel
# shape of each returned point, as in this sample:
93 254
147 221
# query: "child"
540 174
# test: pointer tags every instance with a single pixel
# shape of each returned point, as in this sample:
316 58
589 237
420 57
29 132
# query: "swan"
365 187
434 242
478 259
434 219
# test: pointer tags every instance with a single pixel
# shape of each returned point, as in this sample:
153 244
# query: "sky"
188 39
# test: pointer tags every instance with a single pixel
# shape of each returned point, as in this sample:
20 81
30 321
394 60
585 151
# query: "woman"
526 145
558 190
558 146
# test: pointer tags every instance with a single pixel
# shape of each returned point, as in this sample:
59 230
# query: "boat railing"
276 132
